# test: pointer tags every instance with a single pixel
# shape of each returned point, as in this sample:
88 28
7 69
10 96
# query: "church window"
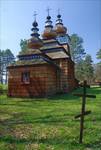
26 77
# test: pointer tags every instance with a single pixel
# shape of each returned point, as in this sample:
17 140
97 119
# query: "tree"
98 67
6 57
88 69
77 50
0 66
77 55
79 70
99 54
98 72
23 45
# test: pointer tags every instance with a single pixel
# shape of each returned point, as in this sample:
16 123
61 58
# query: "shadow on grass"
34 139
94 90
21 118
67 96
68 141
49 119
15 119
70 96
96 144
9 124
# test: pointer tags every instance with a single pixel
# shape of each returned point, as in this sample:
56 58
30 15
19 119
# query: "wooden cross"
35 14
83 112
58 11
48 9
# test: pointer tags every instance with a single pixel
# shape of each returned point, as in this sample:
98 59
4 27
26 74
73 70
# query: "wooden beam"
85 113
87 86
82 112
81 95
66 52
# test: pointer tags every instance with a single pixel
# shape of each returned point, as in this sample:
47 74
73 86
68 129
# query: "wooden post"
82 112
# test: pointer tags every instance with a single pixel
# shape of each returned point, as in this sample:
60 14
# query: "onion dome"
35 42
48 33
59 27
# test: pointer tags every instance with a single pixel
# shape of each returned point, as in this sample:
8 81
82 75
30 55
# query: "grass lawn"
49 124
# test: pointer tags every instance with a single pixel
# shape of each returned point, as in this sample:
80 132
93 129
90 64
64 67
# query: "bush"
1 88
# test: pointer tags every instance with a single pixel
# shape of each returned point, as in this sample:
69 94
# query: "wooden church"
46 67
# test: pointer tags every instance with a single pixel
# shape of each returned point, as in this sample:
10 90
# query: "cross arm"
85 113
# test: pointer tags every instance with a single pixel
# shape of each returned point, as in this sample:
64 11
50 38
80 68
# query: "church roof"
51 47
29 52
41 61
46 50
28 63
57 54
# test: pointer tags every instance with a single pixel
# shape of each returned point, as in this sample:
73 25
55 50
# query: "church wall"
71 75
42 81
51 84
67 81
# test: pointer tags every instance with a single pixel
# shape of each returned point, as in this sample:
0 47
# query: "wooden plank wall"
68 82
42 81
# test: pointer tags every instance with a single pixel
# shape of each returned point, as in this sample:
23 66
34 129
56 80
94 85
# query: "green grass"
3 86
49 124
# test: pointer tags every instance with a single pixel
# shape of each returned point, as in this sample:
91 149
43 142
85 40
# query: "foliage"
6 58
88 69
48 123
98 72
97 68
1 88
23 45
84 69
79 70
0 65
77 50
99 54
78 54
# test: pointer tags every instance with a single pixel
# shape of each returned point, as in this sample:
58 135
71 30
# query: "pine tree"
88 69
0 66
79 70
99 54
98 67
6 58
98 72
23 45
77 55
77 50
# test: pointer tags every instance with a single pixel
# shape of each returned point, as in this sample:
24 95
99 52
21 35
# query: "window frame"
27 80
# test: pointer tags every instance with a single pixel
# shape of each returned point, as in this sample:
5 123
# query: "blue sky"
79 16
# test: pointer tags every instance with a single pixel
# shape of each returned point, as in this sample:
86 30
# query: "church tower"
49 32
67 79
35 42
62 35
